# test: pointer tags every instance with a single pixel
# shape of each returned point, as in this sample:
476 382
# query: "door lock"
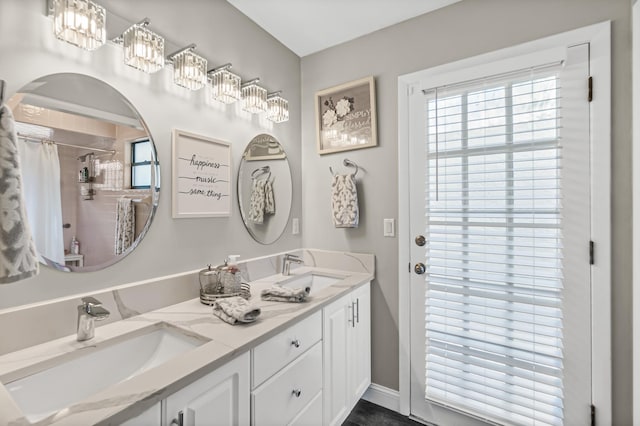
419 268
421 240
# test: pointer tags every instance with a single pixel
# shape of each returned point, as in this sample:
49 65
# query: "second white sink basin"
78 376
313 280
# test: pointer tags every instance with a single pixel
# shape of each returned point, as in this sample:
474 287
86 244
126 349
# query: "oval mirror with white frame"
89 168
265 189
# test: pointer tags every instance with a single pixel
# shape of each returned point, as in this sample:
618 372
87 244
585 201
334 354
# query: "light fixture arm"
250 82
220 68
189 48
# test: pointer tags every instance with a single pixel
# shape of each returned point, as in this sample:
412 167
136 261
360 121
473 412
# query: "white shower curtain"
41 181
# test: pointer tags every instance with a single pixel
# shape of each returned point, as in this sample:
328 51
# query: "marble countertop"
129 398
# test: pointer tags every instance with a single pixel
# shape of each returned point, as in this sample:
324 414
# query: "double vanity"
299 363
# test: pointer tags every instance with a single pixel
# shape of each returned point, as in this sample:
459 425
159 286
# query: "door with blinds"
500 225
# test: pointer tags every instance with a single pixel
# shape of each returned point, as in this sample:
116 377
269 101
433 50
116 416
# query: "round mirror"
89 169
264 189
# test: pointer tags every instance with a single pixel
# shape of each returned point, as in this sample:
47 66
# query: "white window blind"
494 308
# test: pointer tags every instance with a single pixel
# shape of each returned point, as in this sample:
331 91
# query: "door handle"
419 268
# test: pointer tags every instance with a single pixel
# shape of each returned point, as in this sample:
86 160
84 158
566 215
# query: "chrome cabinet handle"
179 421
296 343
350 317
358 310
296 393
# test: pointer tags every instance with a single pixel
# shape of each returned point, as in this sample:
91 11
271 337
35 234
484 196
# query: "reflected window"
141 161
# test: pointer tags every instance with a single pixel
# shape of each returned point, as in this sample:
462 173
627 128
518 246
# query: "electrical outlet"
295 225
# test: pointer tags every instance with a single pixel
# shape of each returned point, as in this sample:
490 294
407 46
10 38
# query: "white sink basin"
313 280
81 374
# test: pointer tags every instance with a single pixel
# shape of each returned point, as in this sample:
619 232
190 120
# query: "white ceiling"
308 26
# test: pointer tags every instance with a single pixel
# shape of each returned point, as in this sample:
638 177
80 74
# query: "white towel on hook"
257 202
18 258
269 198
344 201
125 225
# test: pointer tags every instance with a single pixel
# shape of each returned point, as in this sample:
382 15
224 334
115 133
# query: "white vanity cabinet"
287 376
312 373
347 353
219 398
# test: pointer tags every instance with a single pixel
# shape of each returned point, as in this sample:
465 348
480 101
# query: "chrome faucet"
288 260
90 311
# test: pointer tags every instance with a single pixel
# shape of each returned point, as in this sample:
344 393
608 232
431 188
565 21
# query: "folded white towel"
18 258
234 310
344 201
278 293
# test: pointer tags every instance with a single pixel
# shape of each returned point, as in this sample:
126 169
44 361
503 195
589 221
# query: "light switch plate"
389 227
295 226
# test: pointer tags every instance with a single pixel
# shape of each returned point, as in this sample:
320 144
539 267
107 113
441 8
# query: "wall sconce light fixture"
143 49
277 108
254 97
225 85
189 68
83 24
79 22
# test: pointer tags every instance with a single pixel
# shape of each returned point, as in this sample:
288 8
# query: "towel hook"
260 171
347 163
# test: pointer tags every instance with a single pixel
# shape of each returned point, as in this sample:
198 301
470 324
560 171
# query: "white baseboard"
383 396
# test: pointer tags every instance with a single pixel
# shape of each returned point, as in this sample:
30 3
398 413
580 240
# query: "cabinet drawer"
280 350
311 414
277 402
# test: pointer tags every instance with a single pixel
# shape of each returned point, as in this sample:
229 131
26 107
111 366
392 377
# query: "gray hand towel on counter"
278 293
234 310
344 201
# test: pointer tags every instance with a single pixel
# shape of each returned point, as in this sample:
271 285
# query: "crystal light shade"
79 22
225 85
277 108
143 49
189 70
254 98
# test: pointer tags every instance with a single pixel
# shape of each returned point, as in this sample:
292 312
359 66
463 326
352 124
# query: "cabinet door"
360 344
337 324
219 398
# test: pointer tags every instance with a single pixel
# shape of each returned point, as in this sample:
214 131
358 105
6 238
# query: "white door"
499 190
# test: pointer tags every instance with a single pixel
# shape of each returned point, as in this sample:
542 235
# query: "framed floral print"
346 116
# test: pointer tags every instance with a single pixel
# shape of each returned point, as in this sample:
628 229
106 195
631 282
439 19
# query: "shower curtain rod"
41 140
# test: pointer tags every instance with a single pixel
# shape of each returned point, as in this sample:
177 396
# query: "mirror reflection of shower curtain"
41 181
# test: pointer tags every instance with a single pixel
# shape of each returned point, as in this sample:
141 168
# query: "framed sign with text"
201 176
346 116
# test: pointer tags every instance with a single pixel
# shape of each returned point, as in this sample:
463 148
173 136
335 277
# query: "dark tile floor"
366 413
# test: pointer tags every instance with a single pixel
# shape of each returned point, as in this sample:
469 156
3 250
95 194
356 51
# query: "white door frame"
599 37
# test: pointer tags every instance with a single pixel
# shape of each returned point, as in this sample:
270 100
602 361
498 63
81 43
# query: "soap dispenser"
74 247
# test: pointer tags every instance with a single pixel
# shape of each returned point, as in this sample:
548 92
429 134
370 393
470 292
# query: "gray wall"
459 31
29 50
